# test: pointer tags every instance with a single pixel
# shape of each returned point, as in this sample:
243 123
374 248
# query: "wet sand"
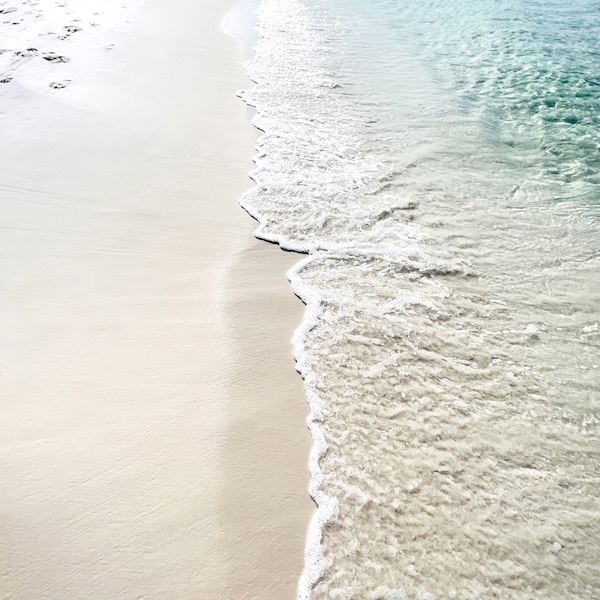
153 441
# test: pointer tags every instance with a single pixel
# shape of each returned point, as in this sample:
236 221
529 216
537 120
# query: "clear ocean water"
438 162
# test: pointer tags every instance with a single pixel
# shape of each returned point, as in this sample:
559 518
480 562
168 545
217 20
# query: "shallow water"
439 164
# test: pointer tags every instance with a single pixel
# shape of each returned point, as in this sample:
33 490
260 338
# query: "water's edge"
236 24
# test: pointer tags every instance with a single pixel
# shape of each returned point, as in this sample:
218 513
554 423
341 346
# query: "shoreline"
147 333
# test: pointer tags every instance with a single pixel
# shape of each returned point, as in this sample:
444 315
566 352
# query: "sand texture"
153 441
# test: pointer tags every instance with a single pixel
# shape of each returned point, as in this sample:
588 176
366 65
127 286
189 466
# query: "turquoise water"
437 162
527 71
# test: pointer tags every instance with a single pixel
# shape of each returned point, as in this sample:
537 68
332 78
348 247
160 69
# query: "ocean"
438 164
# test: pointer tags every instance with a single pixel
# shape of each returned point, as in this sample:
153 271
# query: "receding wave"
450 344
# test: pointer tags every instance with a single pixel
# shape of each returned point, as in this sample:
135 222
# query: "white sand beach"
153 441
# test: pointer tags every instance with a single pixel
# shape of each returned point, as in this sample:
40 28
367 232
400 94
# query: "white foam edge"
315 563
260 232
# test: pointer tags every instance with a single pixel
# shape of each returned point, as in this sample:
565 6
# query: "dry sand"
152 441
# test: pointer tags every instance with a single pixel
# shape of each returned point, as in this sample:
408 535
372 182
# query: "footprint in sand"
55 58
59 85
70 29
26 53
